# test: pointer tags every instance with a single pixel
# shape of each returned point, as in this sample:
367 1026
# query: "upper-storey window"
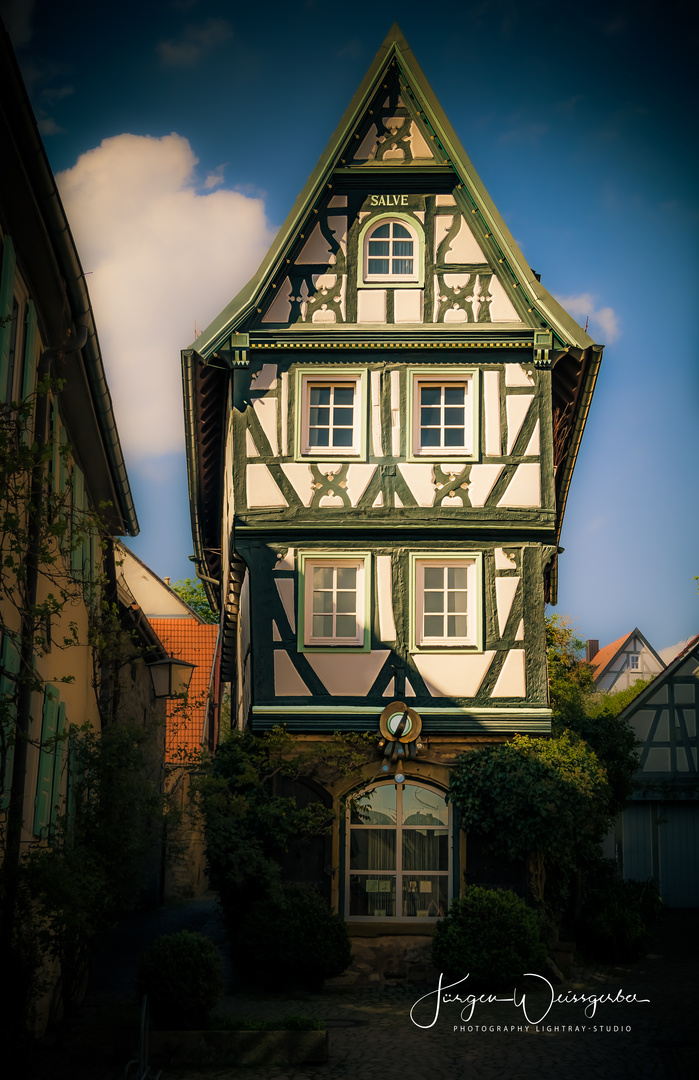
392 251
330 415
444 410
334 601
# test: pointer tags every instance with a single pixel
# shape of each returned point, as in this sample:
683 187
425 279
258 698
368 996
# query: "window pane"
382 231
429 416
319 417
347 577
402 249
372 849
457 577
344 395
429 437
453 395
402 266
373 895
346 602
323 577
425 897
377 807
434 577
319 437
430 395
322 626
433 601
322 603
320 395
342 417
457 626
399 230
378 266
378 248
454 417
346 626
456 603
421 806
454 437
434 626
342 436
425 849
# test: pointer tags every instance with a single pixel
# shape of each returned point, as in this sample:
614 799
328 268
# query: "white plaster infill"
347 674
262 489
457 675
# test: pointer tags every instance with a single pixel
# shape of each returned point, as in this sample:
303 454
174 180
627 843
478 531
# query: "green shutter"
78 538
44 782
58 761
29 369
9 716
7 289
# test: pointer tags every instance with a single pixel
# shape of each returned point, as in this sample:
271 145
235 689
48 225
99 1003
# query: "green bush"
292 937
182 975
616 920
490 935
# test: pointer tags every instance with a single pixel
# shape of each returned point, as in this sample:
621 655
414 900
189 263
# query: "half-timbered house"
381 432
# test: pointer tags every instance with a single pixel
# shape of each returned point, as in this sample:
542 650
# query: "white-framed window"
398 853
444 411
334 601
446 601
391 251
330 414
635 662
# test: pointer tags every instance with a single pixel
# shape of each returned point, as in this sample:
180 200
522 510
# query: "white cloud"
194 42
160 255
584 307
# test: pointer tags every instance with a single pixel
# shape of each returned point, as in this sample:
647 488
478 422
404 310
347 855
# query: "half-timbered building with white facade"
381 432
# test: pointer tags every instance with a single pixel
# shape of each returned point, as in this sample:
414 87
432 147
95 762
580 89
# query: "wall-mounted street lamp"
171 678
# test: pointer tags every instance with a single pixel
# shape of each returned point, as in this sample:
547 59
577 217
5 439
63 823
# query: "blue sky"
182 130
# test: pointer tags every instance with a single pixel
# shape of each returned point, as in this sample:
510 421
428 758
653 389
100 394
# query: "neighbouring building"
381 432
64 497
622 663
191 723
657 835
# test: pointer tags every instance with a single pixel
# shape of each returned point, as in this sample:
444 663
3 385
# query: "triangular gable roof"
665 676
430 129
606 656
601 660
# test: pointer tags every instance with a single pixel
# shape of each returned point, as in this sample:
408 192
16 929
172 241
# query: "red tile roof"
195 642
607 654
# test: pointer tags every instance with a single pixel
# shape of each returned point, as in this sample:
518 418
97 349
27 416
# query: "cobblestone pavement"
372 1035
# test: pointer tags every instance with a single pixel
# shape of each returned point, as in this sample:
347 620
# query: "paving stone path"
372 1036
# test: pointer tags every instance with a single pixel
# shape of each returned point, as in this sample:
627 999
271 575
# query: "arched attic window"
392 252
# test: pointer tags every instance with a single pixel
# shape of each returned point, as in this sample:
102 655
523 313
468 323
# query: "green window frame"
443 416
333 587
317 412
413 280
446 606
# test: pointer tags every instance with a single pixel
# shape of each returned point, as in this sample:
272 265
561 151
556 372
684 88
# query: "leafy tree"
194 594
250 823
577 706
547 800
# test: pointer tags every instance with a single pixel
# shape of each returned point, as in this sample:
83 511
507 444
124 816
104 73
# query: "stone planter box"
238 1047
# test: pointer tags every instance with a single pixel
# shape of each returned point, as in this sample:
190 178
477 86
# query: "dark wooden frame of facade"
261 504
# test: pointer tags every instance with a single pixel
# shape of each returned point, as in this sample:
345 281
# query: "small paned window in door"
390 253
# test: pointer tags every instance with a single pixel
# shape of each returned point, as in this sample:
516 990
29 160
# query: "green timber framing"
384 502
